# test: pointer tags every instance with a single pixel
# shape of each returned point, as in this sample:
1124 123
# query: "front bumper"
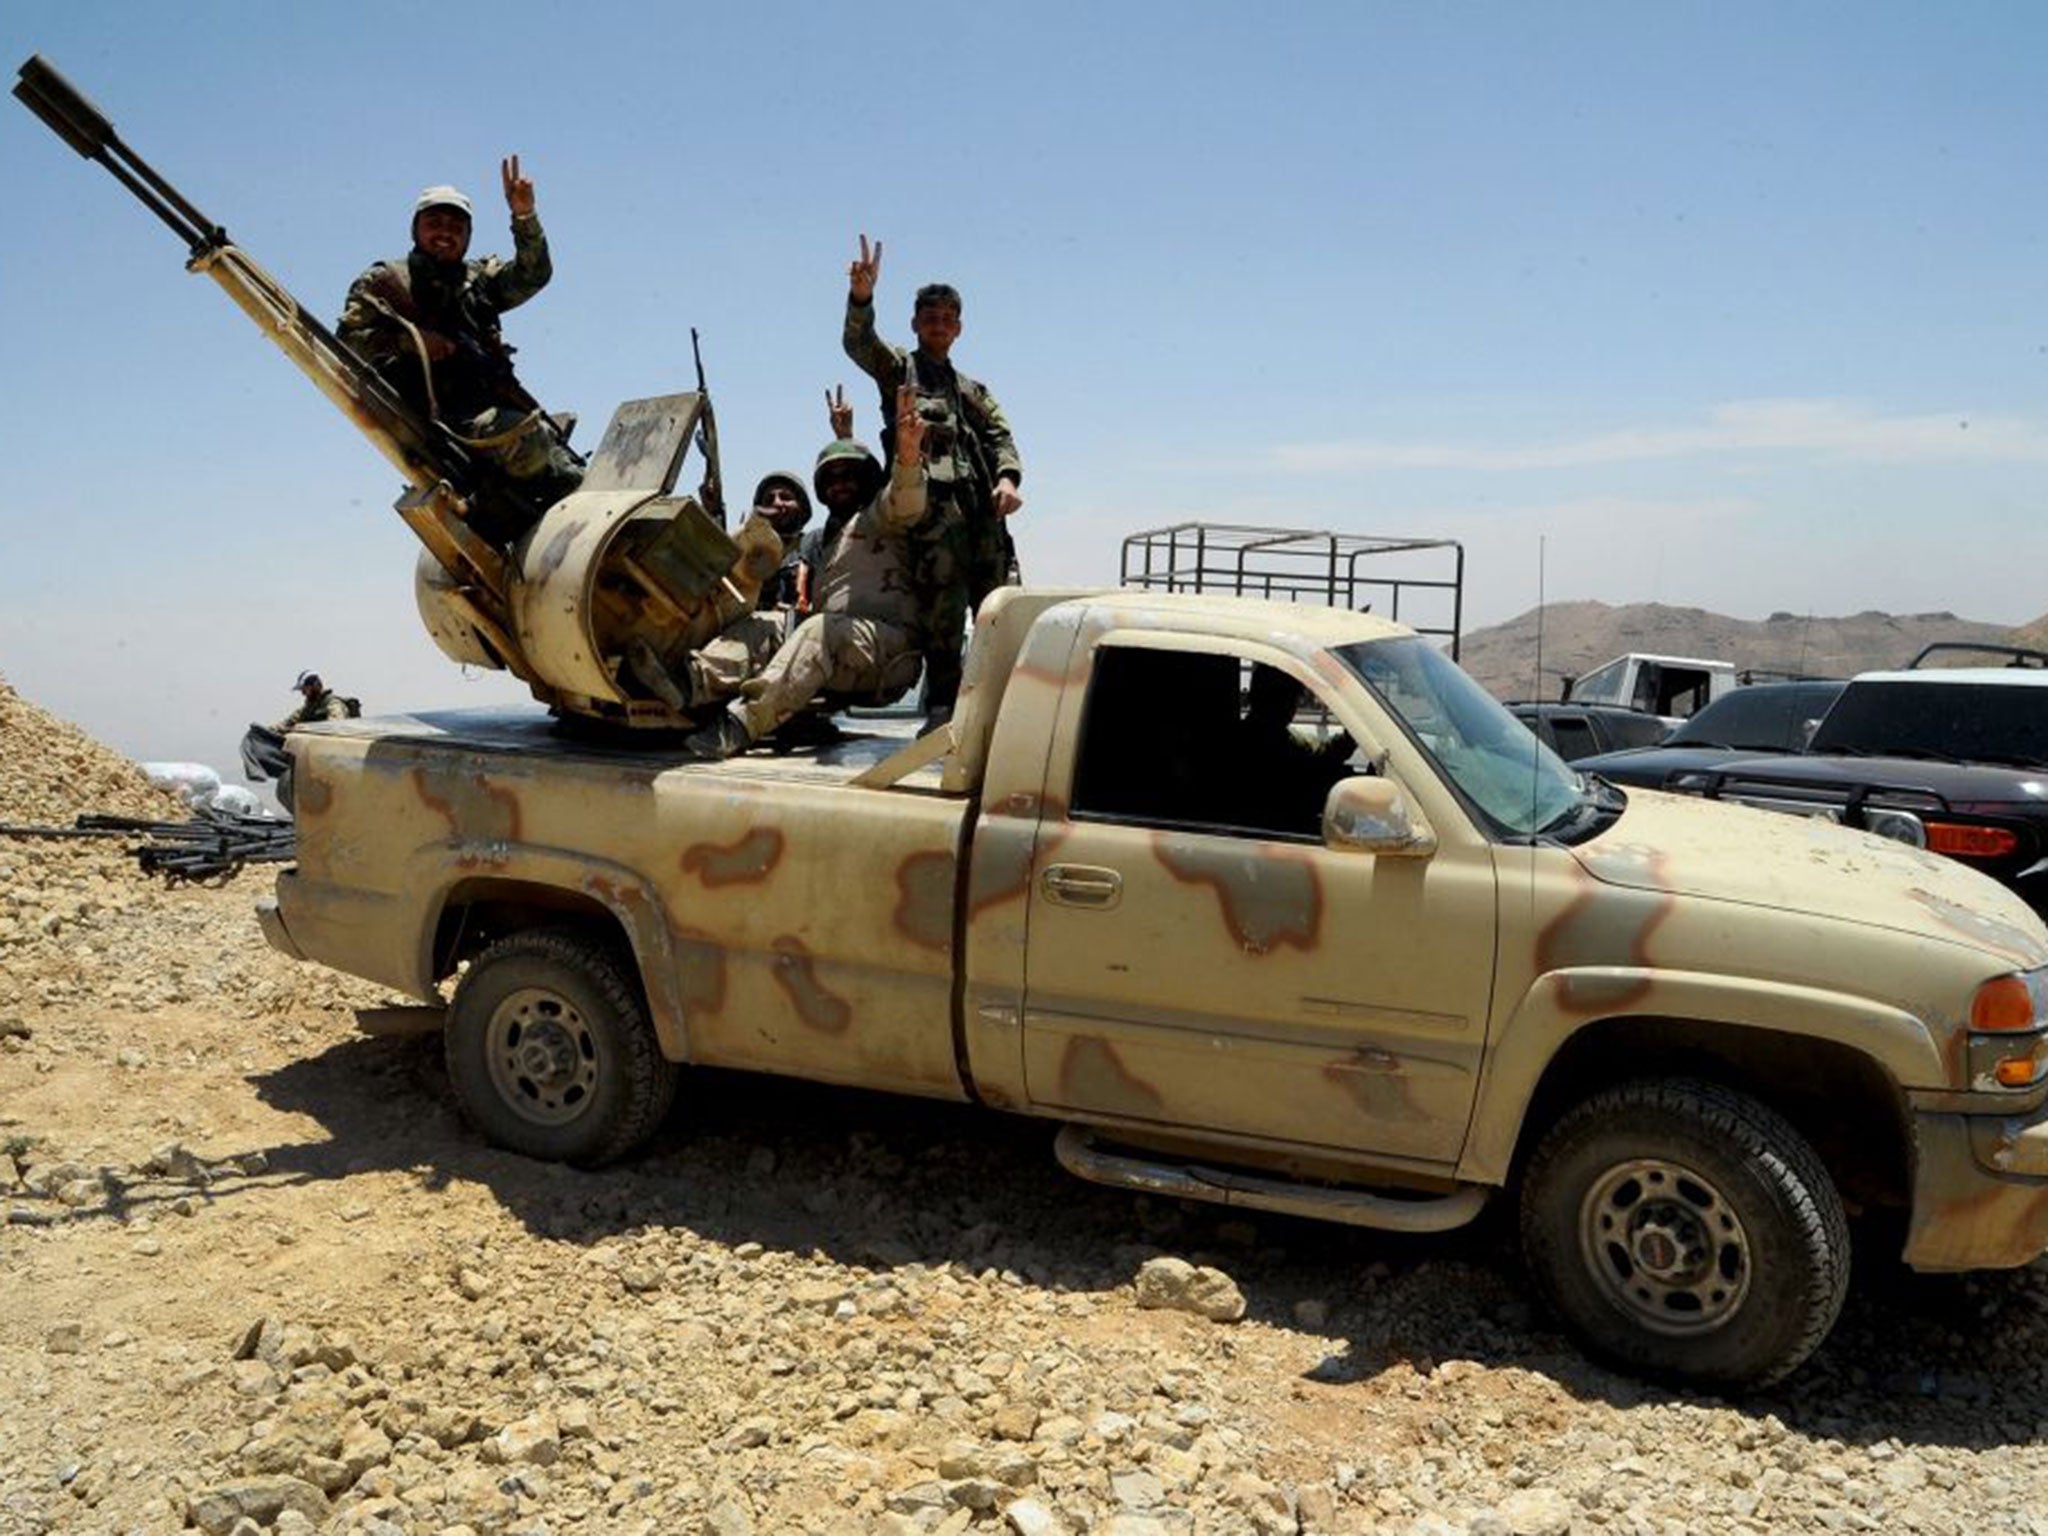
1980 1191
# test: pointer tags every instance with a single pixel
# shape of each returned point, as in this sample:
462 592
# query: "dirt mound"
50 771
1577 637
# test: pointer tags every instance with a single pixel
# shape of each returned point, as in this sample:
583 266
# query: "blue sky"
1734 305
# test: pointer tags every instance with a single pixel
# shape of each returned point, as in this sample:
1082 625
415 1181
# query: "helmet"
441 197
843 448
803 494
307 680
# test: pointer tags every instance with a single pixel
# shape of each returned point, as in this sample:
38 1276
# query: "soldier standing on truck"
870 630
964 548
429 325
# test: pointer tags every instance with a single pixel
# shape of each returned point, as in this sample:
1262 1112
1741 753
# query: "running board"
1075 1148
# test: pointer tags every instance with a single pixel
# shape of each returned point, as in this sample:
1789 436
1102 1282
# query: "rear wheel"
1685 1230
551 1052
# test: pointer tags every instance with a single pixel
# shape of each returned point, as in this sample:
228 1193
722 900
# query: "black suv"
1954 760
1764 717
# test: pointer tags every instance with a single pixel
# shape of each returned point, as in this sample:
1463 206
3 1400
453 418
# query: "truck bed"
528 731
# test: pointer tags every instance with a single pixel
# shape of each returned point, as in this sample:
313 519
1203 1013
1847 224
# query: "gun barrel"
89 131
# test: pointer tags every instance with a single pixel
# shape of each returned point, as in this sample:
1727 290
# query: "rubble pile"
78 921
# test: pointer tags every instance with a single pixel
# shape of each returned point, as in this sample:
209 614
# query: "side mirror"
1369 814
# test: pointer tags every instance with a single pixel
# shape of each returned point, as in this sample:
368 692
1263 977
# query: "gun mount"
618 559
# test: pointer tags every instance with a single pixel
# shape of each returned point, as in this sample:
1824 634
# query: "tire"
1686 1231
550 1050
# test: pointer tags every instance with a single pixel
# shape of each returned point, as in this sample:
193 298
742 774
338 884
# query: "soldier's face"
778 503
937 327
443 233
839 486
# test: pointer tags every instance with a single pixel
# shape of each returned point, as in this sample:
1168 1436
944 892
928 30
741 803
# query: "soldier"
743 647
429 325
965 551
317 702
870 629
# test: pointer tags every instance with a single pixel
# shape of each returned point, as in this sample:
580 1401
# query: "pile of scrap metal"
213 845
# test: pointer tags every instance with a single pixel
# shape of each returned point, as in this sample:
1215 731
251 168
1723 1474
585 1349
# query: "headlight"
2013 1009
1899 826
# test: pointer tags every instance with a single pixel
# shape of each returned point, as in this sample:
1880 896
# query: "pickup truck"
1689 1039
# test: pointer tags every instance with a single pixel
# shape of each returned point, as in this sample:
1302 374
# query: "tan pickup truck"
1373 969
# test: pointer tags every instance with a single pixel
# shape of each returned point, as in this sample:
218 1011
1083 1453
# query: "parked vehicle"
1671 687
1762 718
1574 731
1685 1038
1948 759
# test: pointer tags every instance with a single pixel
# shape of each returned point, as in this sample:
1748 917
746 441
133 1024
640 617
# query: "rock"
1537 1512
536 1439
728 1517
1028 1517
1015 1421
472 1284
65 1339
1136 1490
363 1446
1179 1286
262 1500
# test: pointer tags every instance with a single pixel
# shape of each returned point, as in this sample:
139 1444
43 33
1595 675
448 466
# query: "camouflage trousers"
831 653
741 650
964 552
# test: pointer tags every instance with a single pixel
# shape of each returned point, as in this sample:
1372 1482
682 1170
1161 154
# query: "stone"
216 1510
536 1439
1537 1512
1177 1285
1136 1490
728 1517
1028 1517
65 1339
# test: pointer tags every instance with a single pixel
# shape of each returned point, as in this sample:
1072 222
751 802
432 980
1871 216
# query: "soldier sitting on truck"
715 672
870 626
429 326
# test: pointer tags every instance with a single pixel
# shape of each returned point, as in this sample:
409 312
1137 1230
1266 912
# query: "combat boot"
726 736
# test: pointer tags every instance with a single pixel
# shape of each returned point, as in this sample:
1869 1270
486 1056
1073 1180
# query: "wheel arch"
471 910
1843 1101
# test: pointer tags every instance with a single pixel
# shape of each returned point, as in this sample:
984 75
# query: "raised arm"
874 356
508 285
902 502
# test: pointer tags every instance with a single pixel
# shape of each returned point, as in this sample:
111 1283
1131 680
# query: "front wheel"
1687 1231
550 1050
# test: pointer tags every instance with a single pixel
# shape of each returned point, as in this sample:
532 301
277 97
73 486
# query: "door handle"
1082 885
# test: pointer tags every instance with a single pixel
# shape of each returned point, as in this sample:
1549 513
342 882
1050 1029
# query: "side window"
1185 739
1573 737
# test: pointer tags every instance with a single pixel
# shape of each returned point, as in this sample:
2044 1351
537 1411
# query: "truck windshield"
1516 783
1970 722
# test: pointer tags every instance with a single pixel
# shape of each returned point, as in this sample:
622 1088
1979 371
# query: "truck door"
1197 958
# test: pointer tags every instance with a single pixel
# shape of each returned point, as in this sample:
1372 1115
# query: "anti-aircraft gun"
618 560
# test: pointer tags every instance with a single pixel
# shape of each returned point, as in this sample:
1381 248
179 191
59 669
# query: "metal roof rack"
1419 582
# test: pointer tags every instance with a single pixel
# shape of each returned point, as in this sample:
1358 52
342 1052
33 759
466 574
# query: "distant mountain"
1577 637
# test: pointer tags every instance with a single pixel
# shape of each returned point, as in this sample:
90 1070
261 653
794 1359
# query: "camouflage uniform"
324 705
964 548
869 629
474 392
780 590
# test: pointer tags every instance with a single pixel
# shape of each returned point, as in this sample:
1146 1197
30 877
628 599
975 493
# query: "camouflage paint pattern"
1285 1001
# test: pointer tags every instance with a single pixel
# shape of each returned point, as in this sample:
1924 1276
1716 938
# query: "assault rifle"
447 484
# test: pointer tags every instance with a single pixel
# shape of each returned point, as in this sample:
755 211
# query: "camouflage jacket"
967 438
865 564
324 705
461 301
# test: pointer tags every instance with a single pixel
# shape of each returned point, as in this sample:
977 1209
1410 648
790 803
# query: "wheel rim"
1666 1246
542 1055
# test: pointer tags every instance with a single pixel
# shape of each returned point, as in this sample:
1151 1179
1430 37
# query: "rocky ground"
255 1275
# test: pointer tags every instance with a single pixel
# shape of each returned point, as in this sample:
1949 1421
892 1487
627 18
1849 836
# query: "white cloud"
1832 430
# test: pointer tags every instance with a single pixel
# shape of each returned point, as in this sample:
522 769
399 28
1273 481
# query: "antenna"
1542 551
